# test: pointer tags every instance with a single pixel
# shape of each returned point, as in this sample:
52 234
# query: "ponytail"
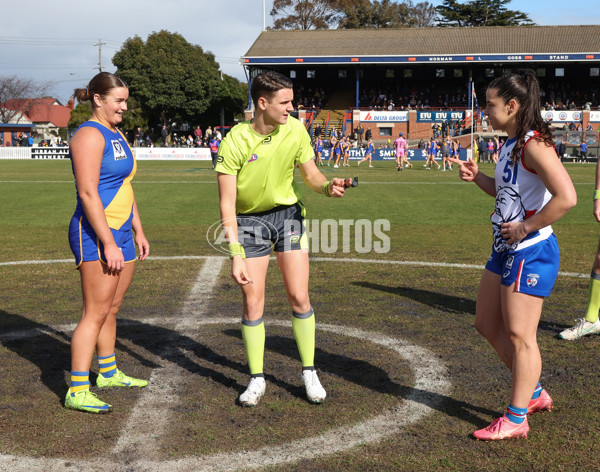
525 89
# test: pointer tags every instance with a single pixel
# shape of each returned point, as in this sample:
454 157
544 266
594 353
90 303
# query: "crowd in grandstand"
413 98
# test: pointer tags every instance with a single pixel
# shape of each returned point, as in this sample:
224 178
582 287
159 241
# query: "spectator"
165 136
214 149
360 131
483 152
583 147
197 134
139 137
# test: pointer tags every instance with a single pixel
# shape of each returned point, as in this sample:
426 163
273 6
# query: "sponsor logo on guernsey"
267 140
118 150
253 157
532 280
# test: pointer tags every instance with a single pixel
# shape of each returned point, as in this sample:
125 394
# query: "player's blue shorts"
86 246
533 270
281 228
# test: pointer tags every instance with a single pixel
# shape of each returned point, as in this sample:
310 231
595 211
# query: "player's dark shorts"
86 246
533 270
281 228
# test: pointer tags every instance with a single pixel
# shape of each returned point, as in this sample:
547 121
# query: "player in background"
338 152
446 150
346 151
332 147
261 209
400 144
368 154
318 146
532 191
590 324
100 235
432 150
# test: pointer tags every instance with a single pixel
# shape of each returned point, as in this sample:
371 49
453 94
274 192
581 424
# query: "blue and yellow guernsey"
114 187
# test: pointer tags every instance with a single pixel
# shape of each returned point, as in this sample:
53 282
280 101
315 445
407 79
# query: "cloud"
60 43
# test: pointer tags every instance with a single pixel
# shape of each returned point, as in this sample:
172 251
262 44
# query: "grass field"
408 377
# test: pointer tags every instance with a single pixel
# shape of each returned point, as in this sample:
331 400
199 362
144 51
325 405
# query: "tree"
80 114
305 14
480 13
424 14
16 96
385 14
233 100
174 81
134 117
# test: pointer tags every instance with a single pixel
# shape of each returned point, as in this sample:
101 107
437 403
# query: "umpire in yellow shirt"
260 210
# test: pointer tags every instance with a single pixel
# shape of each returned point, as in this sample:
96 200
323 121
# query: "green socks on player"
303 325
591 314
253 334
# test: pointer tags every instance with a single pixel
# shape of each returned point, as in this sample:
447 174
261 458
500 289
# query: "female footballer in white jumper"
532 191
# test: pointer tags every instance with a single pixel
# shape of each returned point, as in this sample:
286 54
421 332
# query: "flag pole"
472 117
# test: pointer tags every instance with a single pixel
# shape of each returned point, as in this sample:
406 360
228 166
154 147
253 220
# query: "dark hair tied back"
101 84
524 88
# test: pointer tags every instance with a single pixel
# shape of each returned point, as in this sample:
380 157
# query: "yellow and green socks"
107 365
253 334
591 314
303 325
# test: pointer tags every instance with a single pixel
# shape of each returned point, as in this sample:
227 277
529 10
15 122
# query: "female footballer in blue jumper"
101 238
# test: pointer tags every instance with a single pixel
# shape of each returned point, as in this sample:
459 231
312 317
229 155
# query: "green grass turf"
434 217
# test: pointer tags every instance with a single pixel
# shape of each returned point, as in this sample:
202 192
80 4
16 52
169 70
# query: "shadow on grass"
373 378
51 353
49 350
439 301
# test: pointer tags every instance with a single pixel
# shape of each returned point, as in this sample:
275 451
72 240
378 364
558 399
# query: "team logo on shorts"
532 280
509 262
253 157
118 150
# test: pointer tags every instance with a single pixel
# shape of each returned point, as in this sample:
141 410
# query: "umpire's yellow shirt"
265 165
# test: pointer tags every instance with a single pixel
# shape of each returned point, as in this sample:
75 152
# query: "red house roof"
43 110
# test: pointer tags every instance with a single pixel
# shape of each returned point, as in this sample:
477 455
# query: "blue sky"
555 12
55 41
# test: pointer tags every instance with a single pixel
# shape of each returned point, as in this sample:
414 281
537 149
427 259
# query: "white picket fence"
15 153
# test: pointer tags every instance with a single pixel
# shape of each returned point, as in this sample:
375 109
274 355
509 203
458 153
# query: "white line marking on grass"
313 259
148 421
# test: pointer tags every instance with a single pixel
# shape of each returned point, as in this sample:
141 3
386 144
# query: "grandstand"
389 80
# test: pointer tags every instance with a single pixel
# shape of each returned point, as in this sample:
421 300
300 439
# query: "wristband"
597 195
325 189
236 249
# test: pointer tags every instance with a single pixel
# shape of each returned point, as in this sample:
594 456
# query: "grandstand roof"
486 44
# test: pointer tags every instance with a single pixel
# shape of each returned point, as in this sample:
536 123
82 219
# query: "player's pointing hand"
468 169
